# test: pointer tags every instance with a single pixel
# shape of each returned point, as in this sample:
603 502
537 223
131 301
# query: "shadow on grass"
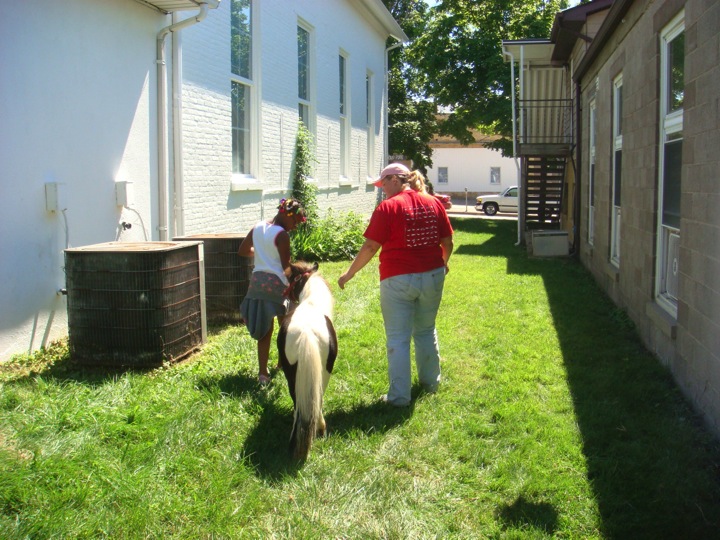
654 469
266 447
65 369
57 363
523 513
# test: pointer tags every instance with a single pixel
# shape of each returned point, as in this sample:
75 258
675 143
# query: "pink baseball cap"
390 170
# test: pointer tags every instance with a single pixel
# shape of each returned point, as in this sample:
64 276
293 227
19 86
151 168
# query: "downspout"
386 142
577 166
177 155
514 129
162 117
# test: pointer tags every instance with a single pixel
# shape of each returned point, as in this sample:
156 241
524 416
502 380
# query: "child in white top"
269 243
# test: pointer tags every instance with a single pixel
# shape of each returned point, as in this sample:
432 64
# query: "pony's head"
300 272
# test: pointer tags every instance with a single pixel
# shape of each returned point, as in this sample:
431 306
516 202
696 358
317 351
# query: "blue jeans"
409 304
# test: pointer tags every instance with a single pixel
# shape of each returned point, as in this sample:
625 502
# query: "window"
442 175
616 171
592 128
672 93
303 39
344 120
240 129
494 175
241 84
370 120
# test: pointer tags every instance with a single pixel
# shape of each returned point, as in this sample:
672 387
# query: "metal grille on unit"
227 275
135 303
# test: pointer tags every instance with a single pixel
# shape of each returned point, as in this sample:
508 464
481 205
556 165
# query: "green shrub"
303 190
335 237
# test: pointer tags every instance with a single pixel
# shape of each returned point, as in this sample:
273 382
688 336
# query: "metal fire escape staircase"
545 142
543 133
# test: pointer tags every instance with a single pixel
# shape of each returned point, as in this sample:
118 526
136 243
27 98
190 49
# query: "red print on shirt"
421 226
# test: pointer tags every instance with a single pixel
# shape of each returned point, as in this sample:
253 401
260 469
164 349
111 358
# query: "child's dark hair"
290 207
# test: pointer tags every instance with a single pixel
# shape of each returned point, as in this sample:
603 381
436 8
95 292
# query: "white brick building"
92 105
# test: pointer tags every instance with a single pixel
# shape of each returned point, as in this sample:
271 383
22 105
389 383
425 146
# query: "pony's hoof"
263 380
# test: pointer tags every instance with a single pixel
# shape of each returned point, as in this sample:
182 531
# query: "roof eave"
381 14
614 17
170 6
567 27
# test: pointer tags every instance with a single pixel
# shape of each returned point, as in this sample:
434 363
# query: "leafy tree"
455 59
412 116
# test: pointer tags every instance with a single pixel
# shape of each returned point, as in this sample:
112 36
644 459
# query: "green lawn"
552 422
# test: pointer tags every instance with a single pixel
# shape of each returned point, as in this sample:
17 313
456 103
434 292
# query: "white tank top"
267 258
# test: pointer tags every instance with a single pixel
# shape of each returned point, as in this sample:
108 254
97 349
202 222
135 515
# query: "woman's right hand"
342 280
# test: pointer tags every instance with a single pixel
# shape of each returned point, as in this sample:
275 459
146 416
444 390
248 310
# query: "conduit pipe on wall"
162 117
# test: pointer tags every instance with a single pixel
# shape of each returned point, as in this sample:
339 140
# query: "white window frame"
671 130
592 129
250 129
344 110
616 183
370 122
495 179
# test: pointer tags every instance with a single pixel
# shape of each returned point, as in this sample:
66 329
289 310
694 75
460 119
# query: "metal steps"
543 191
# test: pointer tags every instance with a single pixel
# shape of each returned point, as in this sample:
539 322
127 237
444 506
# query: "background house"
639 161
149 119
473 168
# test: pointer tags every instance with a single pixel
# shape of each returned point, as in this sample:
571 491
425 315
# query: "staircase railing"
546 121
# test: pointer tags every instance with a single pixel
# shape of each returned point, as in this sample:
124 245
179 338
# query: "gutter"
162 117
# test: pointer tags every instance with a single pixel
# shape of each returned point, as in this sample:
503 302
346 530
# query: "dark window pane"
240 34
618 177
367 100
240 128
618 108
303 62
676 78
671 184
342 84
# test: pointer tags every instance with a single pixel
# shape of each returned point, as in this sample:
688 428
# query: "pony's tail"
308 397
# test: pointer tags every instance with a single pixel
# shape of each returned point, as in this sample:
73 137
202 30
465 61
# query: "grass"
552 422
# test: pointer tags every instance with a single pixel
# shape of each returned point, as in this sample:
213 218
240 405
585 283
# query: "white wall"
77 108
210 206
469 168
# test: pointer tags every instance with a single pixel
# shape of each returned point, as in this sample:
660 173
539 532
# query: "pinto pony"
307 347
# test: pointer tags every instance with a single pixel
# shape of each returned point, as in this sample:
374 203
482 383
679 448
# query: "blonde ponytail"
416 181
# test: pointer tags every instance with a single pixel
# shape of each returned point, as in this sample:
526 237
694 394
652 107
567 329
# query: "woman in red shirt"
415 235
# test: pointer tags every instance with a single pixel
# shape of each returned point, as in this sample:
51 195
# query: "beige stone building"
618 130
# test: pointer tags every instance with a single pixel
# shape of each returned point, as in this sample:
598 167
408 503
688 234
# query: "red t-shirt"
409 227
